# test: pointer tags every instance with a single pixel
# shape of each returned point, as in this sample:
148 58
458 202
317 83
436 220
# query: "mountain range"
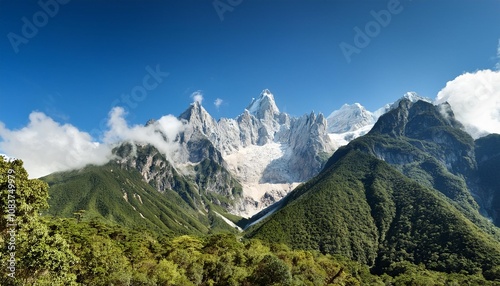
403 183
410 190
250 162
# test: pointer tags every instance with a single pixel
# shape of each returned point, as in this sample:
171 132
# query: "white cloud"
218 102
475 100
197 96
168 126
47 146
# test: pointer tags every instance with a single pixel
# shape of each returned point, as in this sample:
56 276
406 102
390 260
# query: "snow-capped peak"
349 118
266 92
411 96
196 112
352 108
262 105
414 97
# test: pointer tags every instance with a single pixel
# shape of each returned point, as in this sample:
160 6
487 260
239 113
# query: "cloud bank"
47 146
475 100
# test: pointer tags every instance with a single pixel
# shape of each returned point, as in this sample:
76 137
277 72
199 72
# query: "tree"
79 215
168 273
185 251
39 258
272 271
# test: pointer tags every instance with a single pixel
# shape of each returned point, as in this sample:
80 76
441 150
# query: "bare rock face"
292 150
151 164
205 181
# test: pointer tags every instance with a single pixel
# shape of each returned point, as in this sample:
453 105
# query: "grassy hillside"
121 196
366 210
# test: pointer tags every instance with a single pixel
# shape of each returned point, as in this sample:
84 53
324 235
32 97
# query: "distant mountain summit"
410 96
349 118
264 106
353 117
268 151
352 121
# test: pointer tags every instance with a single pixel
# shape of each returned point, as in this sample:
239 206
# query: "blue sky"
91 52
83 58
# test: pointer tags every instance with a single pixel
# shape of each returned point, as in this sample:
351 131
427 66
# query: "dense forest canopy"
80 251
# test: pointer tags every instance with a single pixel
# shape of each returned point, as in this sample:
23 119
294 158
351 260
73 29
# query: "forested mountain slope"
403 192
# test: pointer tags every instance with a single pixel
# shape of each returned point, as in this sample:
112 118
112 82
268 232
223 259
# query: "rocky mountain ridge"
265 150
